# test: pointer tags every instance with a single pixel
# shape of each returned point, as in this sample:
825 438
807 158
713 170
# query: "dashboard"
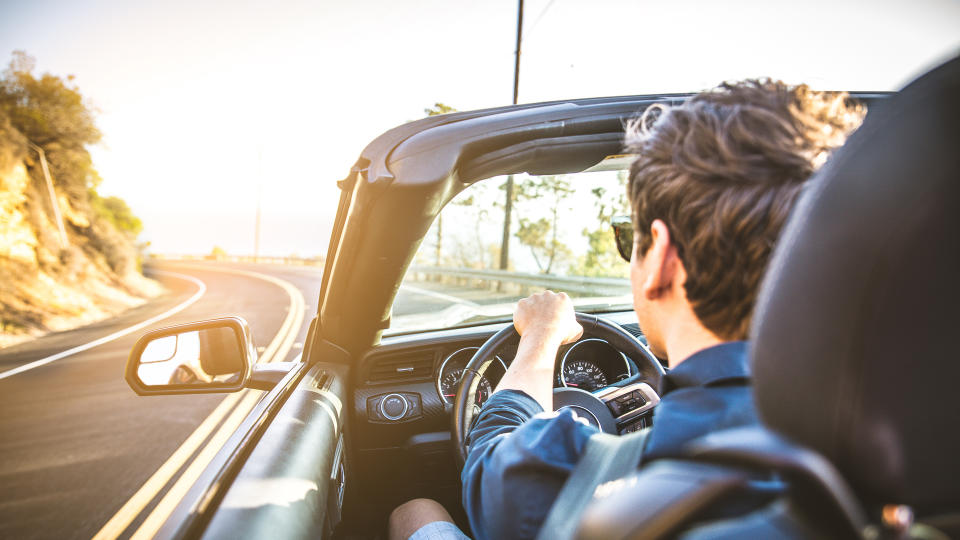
400 409
588 364
405 387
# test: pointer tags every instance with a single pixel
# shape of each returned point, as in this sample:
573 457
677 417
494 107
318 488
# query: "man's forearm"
532 369
510 446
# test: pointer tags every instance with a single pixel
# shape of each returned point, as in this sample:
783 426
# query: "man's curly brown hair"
723 170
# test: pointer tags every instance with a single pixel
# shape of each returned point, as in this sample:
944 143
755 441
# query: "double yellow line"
234 407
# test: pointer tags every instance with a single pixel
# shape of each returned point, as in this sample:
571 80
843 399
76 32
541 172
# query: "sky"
208 107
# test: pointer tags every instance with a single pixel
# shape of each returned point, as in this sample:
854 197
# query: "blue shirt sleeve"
519 459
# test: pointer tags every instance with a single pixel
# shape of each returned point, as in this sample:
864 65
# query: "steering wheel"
631 400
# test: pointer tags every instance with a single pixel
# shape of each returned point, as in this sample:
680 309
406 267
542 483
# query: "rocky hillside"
51 280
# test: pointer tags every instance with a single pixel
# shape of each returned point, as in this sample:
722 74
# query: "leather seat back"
855 350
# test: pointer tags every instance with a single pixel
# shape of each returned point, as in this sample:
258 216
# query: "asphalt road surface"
82 455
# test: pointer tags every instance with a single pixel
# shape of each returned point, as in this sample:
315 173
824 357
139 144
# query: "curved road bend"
76 443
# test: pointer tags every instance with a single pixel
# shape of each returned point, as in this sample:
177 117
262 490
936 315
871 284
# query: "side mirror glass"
201 357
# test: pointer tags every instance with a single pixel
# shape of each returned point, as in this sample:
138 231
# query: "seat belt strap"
607 457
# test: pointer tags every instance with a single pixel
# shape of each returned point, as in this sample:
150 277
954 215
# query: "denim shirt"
520 456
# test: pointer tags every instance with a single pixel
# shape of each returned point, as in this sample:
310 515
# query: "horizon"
190 95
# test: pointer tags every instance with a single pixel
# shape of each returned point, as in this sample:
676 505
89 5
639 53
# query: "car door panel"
292 484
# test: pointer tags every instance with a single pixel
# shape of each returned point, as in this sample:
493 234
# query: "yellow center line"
278 348
166 505
132 508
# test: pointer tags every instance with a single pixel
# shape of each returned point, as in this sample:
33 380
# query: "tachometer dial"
451 371
583 375
451 380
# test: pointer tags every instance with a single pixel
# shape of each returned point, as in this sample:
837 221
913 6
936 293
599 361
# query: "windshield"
559 239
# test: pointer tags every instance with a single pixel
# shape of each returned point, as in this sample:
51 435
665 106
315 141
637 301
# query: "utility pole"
439 108
256 237
508 205
54 203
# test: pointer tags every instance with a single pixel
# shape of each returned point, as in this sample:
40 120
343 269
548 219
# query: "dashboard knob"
393 407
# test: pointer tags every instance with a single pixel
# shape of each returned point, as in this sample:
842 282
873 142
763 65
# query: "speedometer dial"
591 364
583 375
450 382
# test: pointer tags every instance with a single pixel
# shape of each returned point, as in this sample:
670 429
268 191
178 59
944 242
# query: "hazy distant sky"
200 102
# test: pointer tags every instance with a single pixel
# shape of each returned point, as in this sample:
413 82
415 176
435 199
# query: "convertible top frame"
404 177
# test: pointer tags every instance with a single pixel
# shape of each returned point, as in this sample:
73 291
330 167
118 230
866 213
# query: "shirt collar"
709 366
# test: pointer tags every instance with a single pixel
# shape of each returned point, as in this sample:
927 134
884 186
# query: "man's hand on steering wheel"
547 313
545 321
533 367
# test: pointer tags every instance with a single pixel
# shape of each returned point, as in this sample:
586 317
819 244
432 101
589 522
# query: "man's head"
713 183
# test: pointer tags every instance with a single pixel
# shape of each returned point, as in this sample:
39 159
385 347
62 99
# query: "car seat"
854 355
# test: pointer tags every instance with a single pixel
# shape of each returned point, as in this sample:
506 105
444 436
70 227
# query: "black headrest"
855 339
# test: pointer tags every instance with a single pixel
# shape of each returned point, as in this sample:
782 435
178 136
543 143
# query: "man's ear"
660 262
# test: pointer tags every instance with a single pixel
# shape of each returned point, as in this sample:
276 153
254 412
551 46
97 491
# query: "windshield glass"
559 239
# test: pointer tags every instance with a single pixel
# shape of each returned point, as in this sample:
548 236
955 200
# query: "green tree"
540 235
116 211
475 253
46 109
438 108
602 258
52 113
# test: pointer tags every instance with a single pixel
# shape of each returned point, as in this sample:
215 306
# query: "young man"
713 183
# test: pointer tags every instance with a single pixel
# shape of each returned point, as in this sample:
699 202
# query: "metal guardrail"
572 284
586 286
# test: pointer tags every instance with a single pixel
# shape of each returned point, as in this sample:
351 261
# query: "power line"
539 17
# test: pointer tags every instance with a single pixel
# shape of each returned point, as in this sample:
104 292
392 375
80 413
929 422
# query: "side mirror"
195 358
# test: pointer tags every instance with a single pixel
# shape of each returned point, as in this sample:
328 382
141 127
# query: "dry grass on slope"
45 288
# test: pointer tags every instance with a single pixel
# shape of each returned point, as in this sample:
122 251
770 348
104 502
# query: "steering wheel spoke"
629 402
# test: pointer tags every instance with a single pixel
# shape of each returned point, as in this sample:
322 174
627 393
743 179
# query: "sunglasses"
623 233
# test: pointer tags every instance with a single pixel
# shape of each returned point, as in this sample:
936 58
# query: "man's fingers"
547 311
576 332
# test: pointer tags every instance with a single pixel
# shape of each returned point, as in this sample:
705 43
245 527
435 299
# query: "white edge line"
106 339
158 517
136 504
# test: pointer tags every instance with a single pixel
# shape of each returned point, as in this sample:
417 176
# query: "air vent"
635 330
406 367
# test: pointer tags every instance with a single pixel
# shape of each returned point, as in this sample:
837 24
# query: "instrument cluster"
589 364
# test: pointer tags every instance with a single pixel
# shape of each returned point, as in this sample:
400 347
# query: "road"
81 454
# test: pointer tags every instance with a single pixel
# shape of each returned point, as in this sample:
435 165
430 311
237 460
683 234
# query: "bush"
115 211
